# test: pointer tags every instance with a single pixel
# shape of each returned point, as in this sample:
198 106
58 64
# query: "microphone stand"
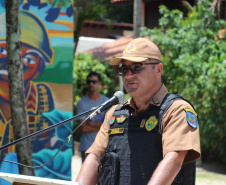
48 128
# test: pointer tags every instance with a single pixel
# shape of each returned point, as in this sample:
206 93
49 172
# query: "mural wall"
47 56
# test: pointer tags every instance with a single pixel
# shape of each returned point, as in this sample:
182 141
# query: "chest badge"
112 120
151 123
191 117
120 119
142 123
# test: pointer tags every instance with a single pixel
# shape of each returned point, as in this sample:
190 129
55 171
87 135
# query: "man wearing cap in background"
153 138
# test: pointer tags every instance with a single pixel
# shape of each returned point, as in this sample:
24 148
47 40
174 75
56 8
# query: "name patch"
115 131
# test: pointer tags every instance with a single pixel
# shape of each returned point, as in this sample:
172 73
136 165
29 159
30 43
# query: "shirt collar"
155 100
159 96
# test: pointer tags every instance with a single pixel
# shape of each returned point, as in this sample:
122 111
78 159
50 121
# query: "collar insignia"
155 100
125 102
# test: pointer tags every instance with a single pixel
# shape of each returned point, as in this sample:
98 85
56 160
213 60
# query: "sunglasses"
135 68
91 81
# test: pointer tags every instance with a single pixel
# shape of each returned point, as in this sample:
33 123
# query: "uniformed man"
153 138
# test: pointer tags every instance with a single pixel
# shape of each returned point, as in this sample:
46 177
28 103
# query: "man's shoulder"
179 106
176 99
83 100
182 103
175 102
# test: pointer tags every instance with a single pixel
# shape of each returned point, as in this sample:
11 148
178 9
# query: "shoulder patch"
191 117
188 109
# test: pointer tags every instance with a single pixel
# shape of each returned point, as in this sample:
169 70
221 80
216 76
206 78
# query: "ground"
210 174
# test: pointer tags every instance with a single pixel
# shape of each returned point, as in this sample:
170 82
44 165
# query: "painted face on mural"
33 63
33 66
36 51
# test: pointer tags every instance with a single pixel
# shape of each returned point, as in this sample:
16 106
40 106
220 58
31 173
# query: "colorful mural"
47 56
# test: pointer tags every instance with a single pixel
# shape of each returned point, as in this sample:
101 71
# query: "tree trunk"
216 8
16 85
137 18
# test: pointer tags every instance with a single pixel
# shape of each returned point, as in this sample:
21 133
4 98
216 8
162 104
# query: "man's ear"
159 69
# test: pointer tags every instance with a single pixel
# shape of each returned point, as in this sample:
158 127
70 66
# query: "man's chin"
131 91
91 90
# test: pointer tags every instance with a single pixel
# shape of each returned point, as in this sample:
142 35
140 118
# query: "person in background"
152 138
90 128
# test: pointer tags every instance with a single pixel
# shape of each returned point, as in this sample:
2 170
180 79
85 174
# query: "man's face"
141 84
33 63
33 66
93 84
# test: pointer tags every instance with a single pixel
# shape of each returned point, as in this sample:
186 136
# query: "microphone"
118 97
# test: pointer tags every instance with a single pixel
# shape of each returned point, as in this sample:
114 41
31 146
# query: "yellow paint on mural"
69 24
58 33
42 1
62 33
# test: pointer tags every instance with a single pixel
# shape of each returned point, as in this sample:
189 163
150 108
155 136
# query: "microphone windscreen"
120 95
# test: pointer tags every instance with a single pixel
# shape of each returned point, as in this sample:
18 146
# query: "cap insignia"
130 49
